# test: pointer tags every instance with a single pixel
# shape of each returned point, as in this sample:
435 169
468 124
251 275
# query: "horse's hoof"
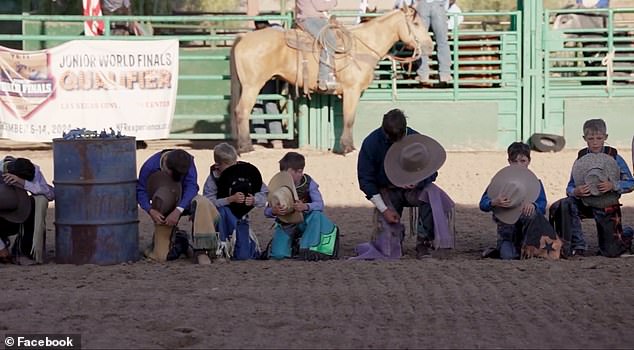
343 151
348 149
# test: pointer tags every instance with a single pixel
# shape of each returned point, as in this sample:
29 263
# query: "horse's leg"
242 115
350 102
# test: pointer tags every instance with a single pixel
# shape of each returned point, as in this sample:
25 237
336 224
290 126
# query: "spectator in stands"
599 4
121 8
454 21
434 14
363 8
400 3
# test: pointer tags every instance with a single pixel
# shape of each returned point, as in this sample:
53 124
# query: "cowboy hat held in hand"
282 192
15 205
20 167
519 185
593 169
164 191
413 159
240 177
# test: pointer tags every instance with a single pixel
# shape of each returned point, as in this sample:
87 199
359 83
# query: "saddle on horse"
304 42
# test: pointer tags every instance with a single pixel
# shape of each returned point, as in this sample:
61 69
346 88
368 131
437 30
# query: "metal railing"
584 58
203 97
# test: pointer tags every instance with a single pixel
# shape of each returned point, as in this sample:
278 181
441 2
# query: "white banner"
129 86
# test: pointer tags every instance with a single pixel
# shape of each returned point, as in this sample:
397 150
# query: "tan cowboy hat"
520 185
15 204
413 159
163 191
282 191
592 169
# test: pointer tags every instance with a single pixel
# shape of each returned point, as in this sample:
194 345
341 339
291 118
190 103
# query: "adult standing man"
454 21
600 4
312 17
121 8
434 14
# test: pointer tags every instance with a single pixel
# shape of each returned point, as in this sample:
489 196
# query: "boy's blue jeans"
511 236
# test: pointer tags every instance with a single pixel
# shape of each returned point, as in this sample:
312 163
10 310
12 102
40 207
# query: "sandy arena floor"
459 302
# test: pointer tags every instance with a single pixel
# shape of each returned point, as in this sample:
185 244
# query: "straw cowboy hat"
240 177
163 191
15 204
282 191
592 169
413 159
517 183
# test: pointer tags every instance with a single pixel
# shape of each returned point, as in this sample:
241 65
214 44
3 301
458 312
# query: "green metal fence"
587 73
513 75
203 97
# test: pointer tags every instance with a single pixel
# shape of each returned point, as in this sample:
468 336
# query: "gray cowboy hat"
412 159
517 183
282 191
592 169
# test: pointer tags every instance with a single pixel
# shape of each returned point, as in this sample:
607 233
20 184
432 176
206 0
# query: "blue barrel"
96 215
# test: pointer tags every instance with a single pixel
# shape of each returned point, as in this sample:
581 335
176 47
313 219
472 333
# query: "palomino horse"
257 56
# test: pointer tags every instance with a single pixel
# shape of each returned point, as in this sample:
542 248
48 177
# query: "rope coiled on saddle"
347 42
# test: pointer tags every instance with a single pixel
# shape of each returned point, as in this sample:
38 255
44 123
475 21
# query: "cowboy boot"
160 243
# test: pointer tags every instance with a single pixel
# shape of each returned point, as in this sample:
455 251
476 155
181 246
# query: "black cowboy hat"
15 204
20 167
240 177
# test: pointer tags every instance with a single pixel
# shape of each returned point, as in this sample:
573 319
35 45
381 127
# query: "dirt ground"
459 302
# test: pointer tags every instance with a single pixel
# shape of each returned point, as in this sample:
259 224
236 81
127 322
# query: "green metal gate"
513 76
587 73
533 79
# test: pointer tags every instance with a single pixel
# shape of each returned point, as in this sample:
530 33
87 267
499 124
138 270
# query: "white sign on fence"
129 86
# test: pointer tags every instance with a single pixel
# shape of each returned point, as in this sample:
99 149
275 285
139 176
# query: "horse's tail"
236 88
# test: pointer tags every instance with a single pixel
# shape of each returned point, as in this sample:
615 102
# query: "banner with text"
127 86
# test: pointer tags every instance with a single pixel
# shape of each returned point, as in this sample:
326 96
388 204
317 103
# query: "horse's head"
414 32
